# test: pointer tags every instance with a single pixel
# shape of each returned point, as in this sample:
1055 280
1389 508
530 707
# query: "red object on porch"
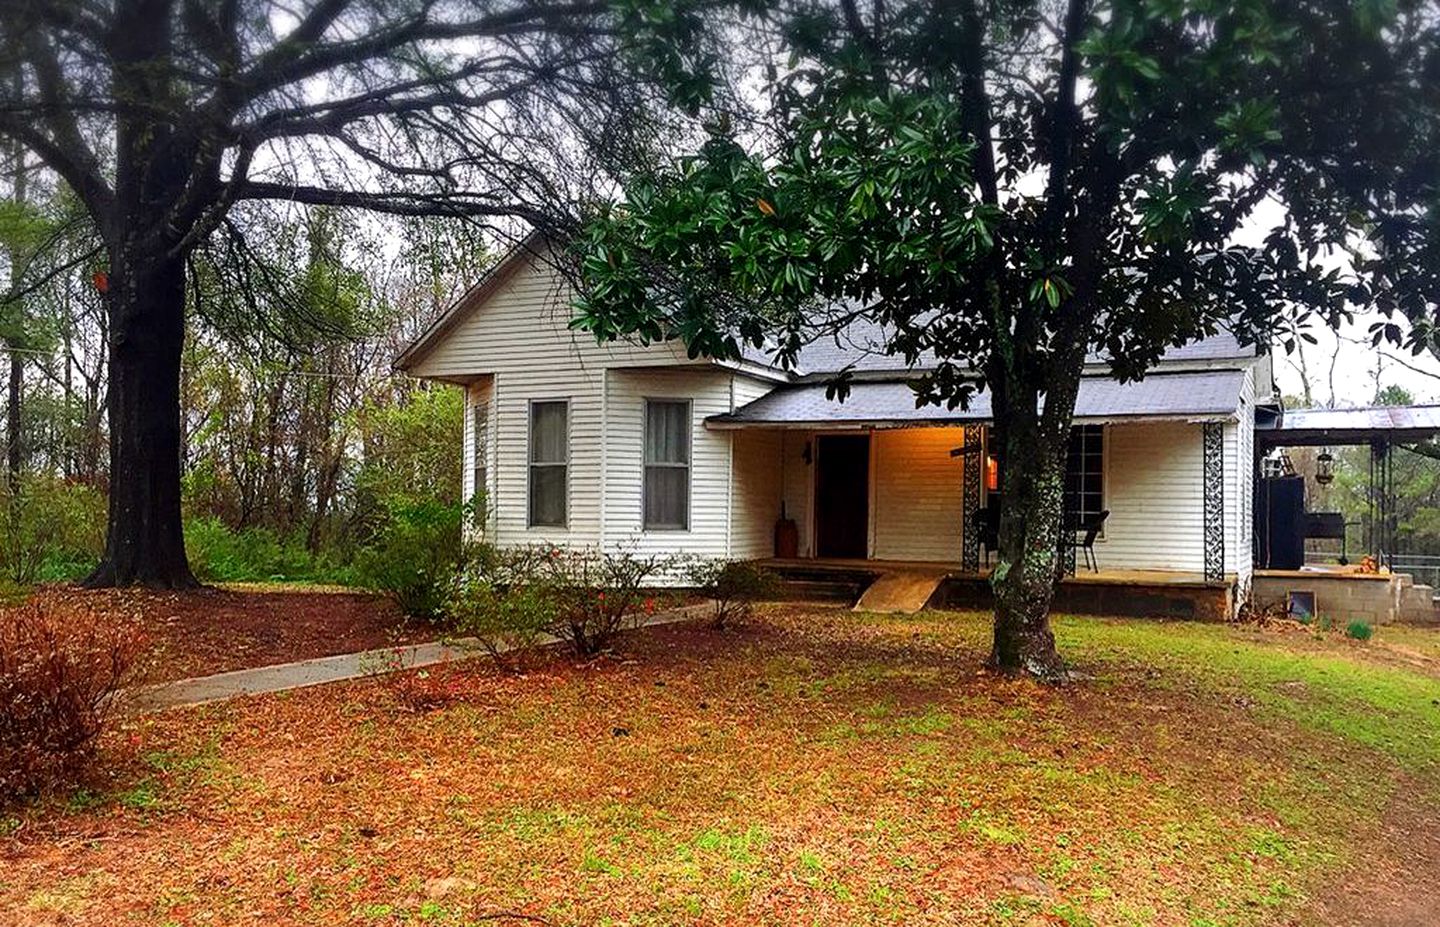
992 473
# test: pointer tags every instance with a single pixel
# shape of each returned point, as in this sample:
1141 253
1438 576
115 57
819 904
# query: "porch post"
1213 450
974 462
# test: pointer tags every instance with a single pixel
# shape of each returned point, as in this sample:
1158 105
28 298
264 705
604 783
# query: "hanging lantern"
992 473
1324 468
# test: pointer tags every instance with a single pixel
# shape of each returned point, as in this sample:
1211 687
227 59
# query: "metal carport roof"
1401 424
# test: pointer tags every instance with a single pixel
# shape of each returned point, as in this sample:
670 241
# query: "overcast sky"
1342 364
1355 368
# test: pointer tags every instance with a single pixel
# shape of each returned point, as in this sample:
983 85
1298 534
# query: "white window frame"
1104 430
531 464
480 448
687 466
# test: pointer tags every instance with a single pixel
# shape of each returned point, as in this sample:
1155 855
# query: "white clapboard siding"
795 476
522 325
1240 457
756 493
757 486
1155 492
708 390
917 508
520 343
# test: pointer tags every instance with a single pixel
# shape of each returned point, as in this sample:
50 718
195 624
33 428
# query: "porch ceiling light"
1324 467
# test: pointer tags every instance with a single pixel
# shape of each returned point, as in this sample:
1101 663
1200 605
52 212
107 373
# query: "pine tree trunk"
145 543
1031 513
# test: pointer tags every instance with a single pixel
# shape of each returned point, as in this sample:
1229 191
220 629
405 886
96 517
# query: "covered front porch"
1155 467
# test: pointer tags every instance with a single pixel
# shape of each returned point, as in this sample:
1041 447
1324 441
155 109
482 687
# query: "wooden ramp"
901 589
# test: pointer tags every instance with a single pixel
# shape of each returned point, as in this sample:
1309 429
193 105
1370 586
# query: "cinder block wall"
1342 598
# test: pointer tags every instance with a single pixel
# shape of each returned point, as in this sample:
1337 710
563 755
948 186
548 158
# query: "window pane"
548 432
667 432
547 495
1084 473
667 497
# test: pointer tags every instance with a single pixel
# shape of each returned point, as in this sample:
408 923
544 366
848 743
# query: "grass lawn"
812 767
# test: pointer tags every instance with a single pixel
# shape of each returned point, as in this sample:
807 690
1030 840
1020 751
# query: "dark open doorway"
842 496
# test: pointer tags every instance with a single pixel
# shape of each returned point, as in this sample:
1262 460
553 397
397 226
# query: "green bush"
52 530
415 554
734 586
502 600
598 593
1359 630
219 553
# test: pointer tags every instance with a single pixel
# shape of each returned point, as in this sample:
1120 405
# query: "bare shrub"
61 666
598 593
734 586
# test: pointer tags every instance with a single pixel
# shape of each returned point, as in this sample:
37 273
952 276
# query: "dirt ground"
214 630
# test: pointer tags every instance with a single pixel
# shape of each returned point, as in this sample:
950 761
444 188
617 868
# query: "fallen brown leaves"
810 767
213 630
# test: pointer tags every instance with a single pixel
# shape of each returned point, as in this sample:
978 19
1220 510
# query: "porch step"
905 591
823 585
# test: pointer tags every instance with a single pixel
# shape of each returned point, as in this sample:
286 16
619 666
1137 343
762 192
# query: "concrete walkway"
302 674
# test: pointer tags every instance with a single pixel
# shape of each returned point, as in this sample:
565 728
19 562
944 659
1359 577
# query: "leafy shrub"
1359 630
503 599
60 669
733 585
52 530
415 554
218 553
583 597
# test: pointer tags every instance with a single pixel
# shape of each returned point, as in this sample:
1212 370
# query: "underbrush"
61 665
219 553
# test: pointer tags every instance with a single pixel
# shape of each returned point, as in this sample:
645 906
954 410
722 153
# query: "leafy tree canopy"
1012 185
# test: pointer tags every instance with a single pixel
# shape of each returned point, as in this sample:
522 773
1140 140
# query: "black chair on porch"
1091 527
990 529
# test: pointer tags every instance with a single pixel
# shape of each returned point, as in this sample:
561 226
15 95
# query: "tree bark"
145 543
1031 514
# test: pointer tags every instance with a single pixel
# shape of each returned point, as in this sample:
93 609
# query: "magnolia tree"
166 116
1015 185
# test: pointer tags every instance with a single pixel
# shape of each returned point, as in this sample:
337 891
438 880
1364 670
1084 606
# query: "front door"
842 496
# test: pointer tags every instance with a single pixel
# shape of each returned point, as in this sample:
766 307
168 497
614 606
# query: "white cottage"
577 443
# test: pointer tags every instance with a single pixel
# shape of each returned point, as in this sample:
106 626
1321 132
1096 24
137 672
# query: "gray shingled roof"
860 347
1210 395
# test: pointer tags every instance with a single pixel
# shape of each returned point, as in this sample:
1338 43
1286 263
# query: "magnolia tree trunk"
144 543
1031 513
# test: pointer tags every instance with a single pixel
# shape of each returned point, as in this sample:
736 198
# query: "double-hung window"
549 463
667 465
479 447
1085 474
